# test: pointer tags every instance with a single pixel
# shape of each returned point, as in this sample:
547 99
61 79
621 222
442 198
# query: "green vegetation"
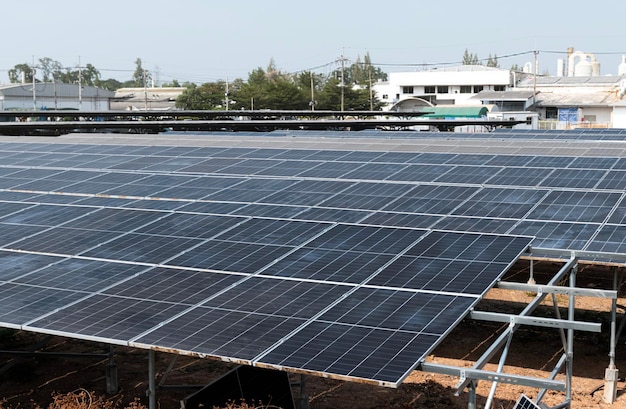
270 88
348 87
472 59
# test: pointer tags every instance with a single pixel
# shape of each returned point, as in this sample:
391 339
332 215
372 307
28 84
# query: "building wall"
599 115
450 86
619 117
54 96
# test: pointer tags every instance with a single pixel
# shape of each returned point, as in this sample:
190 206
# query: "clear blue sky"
210 40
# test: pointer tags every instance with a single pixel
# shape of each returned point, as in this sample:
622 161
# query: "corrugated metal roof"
604 80
576 99
503 95
49 89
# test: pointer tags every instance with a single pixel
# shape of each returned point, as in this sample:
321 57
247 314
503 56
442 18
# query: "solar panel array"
347 263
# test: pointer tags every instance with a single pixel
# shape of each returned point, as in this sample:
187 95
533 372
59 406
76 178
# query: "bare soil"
26 381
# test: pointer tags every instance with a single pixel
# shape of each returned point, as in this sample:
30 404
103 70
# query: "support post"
304 398
112 384
471 386
570 338
503 357
151 392
611 374
531 278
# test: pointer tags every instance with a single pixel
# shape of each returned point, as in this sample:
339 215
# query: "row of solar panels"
351 301
344 272
552 202
211 159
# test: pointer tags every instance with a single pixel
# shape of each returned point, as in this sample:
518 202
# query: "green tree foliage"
268 88
307 80
355 98
140 75
271 89
49 70
174 83
363 72
207 96
110 84
470 59
493 61
21 70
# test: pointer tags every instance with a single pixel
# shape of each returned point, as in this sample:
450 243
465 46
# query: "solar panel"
334 257
524 402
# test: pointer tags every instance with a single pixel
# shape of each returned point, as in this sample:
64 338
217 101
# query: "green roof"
455 112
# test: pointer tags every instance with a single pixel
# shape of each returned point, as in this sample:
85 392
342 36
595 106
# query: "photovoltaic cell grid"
281 257
524 402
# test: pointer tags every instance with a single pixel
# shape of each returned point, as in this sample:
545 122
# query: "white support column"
569 365
611 374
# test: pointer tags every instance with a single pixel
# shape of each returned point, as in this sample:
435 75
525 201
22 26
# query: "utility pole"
226 95
535 77
312 94
145 90
342 85
80 85
371 94
34 91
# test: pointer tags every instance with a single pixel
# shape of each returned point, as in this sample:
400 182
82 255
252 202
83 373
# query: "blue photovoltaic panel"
230 256
109 317
524 402
20 304
347 262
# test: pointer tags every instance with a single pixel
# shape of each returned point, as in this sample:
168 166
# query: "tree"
355 98
140 75
174 84
470 59
50 69
204 97
21 72
362 72
271 89
305 81
110 84
493 61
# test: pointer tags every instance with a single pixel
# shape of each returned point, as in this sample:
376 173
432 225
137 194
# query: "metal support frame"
611 373
469 376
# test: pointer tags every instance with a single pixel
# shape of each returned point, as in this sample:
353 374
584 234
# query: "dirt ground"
26 381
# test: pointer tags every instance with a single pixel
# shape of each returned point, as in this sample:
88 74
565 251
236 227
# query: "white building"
408 91
49 95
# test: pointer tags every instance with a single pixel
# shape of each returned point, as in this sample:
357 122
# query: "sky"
210 40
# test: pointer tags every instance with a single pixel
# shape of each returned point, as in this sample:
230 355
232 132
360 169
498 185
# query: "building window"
442 89
429 89
407 90
499 87
466 89
552 113
385 96
478 88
